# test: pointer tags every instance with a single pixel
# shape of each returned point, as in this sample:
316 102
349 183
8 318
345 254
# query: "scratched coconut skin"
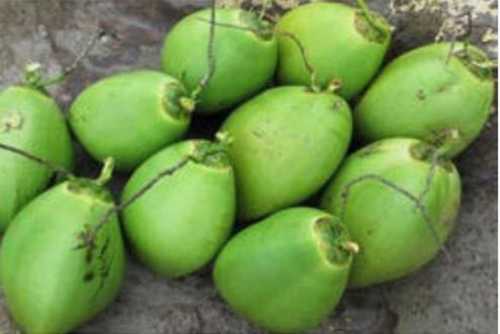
456 296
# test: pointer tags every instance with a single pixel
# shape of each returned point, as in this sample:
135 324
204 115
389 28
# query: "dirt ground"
456 296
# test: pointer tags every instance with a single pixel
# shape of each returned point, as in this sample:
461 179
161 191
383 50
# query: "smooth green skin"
418 95
126 117
177 227
276 273
287 142
244 62
43 275
394 239
333 45
41 131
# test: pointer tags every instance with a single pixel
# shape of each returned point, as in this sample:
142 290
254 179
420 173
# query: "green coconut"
399 199
339 42
245 54
30 121
286 143
130 116
427 91
53 279
178 226
286 273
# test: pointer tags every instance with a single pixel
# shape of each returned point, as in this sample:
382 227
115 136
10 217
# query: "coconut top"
334 241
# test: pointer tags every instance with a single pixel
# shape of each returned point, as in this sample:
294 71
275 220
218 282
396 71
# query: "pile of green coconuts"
297 92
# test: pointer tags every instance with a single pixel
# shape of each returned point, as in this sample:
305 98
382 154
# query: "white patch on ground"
415 6
455 23
490 36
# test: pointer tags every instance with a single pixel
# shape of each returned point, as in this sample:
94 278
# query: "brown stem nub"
53 167
272 18
224 138
351 247
106 172
187 104
334 86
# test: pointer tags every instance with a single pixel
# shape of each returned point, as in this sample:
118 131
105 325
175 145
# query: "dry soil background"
449 296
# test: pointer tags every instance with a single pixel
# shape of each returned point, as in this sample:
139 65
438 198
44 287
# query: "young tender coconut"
54 277
243 53
399 199
341 42
286 143
166 232
286 273
130 116
429 90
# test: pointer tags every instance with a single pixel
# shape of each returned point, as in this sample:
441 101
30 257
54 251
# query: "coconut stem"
210 55
33 77
314 85
53 167
106 172
430 176
490 65
230 25
438 151
370 18
89 236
